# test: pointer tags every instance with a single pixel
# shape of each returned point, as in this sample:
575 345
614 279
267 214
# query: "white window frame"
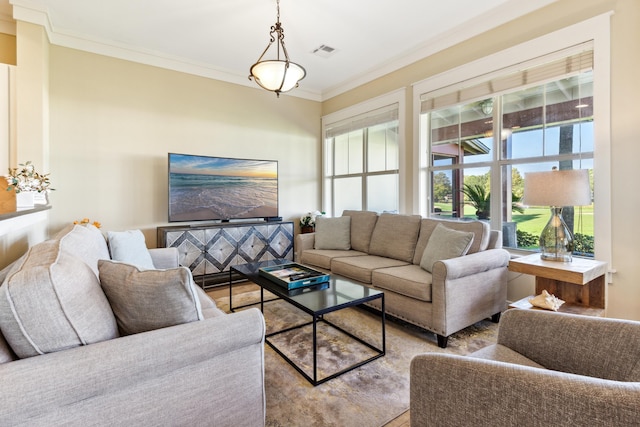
597 30
397 96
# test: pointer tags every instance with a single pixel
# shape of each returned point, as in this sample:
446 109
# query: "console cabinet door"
214 249
191 247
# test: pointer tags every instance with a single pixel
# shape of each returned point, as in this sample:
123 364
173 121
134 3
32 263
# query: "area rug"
371 395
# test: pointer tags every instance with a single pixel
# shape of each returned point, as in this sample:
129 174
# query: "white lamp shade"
557 188
270 75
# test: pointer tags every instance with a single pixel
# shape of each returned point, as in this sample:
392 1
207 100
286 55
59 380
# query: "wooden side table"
581 283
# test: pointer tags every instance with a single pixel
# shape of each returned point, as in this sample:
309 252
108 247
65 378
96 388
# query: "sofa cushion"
360 267
480 229
362 224
322 258
144 300
333 233
6 354
445 243
53 302
208 306
85 242
129 247
395 236
9 269
501 353
409 280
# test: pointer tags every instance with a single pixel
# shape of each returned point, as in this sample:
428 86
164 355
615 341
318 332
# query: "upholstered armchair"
546 369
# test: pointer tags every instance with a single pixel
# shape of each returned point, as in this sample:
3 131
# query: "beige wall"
624 292
7 49
113 123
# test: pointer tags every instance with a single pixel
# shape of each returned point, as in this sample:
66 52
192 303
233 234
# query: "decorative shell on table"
547 301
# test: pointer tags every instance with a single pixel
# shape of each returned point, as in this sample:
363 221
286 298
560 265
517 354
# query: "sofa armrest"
468 265
495 239
458 390
164 258
467 289
303 242
192 374
612 345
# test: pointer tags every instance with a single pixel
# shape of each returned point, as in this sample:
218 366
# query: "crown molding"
33 11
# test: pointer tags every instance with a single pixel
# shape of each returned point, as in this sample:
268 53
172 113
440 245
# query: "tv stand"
209 250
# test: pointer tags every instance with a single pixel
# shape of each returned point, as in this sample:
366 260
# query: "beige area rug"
369 396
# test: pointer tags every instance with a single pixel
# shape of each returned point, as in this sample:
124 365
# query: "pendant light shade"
277 75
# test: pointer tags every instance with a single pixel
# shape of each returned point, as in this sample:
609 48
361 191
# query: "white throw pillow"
333 233
144 300
129 246
445 243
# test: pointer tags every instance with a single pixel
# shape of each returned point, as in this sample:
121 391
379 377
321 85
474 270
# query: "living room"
102 126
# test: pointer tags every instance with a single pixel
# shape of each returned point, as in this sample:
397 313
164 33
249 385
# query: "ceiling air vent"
324 51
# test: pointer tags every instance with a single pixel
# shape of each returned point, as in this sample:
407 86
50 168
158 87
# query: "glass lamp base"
556 240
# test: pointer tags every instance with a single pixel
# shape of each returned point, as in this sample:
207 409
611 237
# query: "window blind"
378 116
508 79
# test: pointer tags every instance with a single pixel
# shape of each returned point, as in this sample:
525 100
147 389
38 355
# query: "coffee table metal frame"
300 300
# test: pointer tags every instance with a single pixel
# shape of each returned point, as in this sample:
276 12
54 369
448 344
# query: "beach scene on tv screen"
205 188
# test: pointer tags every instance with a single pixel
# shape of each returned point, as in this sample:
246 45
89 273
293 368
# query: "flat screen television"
203 188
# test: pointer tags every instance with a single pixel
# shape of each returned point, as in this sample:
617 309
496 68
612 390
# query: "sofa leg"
496 317
442 341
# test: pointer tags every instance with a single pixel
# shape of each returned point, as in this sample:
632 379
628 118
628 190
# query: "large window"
482 139
361 162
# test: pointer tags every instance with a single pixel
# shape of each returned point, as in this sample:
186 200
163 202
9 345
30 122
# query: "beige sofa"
546 369
87 341
395 253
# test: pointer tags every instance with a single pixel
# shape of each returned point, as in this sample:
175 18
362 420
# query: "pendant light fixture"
277 75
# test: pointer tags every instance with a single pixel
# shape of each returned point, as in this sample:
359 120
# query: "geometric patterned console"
210 250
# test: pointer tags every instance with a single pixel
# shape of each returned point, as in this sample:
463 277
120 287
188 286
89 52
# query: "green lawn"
534 219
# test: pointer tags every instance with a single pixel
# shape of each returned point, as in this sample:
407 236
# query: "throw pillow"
362 224
445 243
333 233
85 242
144 300
395 236
129 247
52 301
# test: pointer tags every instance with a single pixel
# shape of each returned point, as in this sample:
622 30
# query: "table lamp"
557 188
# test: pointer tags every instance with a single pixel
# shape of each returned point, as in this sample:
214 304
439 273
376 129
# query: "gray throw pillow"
52 301
445 243
333 233
129 247
144 300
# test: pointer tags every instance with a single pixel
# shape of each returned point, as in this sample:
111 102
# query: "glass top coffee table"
316 301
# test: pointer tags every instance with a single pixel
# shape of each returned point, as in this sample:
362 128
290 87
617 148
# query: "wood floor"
223 291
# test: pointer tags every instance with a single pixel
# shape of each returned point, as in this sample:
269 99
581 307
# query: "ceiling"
221 39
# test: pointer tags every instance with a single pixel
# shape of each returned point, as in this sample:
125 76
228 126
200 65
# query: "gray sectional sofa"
89 341
441 275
